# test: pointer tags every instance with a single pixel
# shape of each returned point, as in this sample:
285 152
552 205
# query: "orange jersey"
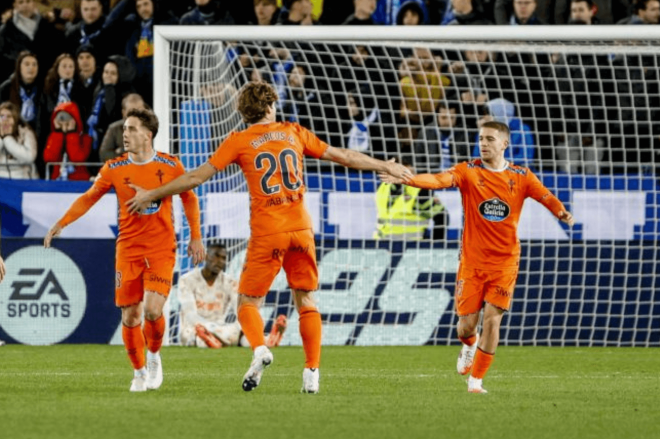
492 203
271 156
149 234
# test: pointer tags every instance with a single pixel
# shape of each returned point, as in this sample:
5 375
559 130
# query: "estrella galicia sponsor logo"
154 207
494 210
43 297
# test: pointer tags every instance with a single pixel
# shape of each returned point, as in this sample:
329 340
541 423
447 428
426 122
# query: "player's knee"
131 318
152 313
304 299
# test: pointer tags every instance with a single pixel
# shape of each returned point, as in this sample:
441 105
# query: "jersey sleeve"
537 191
226 153
101 186
190 206
313 146
453 177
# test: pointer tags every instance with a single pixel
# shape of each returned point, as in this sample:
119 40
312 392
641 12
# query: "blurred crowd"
71 69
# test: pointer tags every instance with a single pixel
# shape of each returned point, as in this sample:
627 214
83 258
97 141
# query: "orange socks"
469 341
134 343
252 324
153 331
310 330
481 363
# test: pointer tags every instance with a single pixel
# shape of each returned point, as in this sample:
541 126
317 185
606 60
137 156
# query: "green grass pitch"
74 391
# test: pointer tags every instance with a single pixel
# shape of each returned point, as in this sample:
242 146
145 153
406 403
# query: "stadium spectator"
521 149
283 224
411 13
62 84
87 68
137 29
524 13
266 12
296 12
208 12
67 144
88 72
609 11
422 86
116 82
302 102
582 12
113 140
442 143
209 298
362 13
18 145
644 12
405 212
503 10
27 30
90 31
577 153
463 12
23 90
493 192
363 117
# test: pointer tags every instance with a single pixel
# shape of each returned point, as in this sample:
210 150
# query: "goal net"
582 104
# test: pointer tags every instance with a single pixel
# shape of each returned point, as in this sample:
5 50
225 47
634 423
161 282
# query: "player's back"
152 232
271 156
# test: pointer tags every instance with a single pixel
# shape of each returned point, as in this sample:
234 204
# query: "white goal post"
582 103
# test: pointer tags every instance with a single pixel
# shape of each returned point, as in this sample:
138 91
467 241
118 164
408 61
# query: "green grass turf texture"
81 391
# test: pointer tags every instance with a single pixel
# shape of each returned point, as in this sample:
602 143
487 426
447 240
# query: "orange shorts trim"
266 255
133 278
475 286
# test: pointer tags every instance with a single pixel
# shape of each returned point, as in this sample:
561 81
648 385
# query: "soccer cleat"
277 332
310 381
475 385
139 383
260 360
208 338
466 358
154 371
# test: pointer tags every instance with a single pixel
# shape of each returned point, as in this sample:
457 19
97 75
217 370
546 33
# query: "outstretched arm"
424 181
79 207
357 160
185 182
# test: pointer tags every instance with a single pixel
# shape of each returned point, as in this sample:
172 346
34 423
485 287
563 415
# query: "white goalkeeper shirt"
201 303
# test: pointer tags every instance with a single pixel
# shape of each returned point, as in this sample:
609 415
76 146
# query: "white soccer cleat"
139 383
310 381
154 370
475 385
466 358
261 359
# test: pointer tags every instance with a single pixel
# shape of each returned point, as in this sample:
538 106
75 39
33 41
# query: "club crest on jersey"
494 210
154 207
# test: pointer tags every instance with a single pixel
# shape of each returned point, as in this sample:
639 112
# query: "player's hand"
197 251
53 232
140 200
567 218
397 170
3 270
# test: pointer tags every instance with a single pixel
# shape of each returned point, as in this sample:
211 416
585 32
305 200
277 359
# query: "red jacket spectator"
67 142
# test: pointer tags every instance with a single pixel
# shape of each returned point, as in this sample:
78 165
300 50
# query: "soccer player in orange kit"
493 192
146 245
271 156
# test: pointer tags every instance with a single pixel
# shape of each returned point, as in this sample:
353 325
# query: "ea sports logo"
43 298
